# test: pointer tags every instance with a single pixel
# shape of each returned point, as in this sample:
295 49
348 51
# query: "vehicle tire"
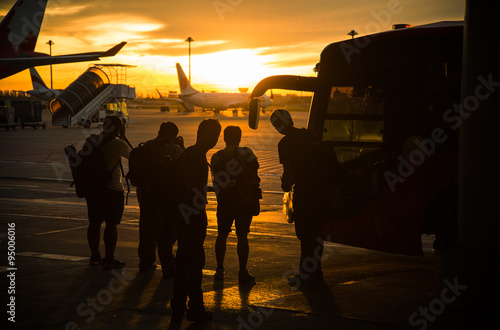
86 124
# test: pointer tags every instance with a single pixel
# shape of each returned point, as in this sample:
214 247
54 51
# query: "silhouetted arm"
286 178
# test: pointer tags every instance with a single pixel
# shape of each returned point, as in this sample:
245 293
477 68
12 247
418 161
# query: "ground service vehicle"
389 102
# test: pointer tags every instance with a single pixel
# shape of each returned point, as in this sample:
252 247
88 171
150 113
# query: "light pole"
189 40
50 43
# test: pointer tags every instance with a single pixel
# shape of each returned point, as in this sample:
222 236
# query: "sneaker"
147 268
202 316
113 263
95 260
219 273
245 276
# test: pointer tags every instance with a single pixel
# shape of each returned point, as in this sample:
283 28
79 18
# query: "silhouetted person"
191 226
107 204
235 177
295 154
158 206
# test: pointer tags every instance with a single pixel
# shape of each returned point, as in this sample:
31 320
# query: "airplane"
19 33
217 101
173 98
40 89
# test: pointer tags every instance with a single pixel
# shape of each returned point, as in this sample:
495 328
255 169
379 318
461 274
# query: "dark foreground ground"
49 284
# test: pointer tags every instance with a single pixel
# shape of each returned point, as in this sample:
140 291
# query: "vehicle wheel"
86 124
44 126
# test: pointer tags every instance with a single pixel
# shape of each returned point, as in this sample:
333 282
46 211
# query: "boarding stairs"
93 106
82 100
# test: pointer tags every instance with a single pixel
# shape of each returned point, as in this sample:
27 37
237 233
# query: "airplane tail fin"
184 84
114 50
19 29
36 80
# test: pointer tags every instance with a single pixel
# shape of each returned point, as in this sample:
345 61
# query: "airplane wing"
27 62
172 100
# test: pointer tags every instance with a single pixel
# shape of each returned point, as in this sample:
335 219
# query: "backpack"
240 187
148 167
88 166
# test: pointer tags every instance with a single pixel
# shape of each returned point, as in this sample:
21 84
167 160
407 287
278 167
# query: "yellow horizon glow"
236 50
224 71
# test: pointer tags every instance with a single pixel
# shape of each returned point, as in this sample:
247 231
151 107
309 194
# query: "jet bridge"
101 87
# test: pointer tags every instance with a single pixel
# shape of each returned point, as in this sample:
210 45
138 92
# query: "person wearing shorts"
235 177
106 204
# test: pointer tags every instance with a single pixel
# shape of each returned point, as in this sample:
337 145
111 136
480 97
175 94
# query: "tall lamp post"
189 40
50 43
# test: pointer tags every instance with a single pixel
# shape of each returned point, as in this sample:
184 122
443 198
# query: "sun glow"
228 70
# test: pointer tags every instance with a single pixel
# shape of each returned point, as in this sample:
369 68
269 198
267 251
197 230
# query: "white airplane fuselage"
218 101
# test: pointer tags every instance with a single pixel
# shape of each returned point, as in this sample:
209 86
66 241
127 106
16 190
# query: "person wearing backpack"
105 201
235 179
157 198
310 191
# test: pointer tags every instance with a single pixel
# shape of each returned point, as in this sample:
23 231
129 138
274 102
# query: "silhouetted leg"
93 237
147 232
311 243
243 250
220 248
195 261
242 224
179 298
165 246
110 239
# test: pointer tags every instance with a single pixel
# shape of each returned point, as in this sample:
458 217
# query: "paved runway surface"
53 287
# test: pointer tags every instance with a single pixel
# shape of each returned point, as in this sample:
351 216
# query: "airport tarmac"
52 286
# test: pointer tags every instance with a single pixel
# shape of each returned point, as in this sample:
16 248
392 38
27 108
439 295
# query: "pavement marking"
41 216
39 200
128 222
17 185
57 231
41 190
207 272
4 269
32 163
51 256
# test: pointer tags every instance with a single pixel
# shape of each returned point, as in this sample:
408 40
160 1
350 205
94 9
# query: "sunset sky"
236 42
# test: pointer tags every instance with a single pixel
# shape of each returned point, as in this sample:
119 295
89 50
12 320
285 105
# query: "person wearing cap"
158 208
107 204
295 154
